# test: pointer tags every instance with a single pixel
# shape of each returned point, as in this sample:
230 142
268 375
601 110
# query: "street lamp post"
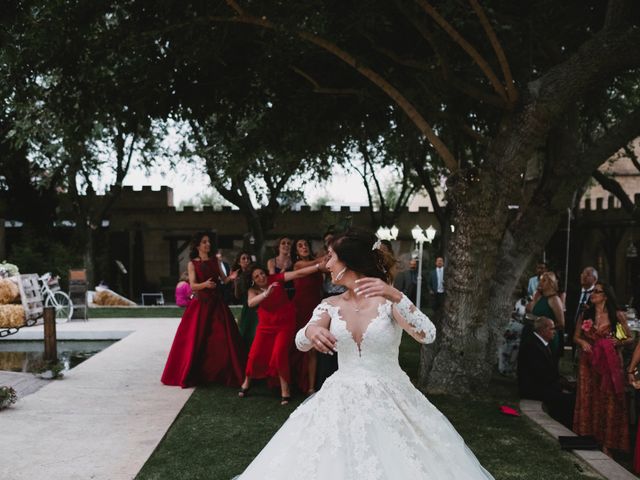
420 237
384 233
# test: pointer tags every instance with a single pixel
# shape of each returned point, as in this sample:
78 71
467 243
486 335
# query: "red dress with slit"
207 346
307 297
269 354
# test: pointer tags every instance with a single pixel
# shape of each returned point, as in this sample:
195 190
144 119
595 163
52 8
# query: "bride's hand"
372 287
321 339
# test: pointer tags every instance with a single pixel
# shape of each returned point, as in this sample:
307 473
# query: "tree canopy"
516 103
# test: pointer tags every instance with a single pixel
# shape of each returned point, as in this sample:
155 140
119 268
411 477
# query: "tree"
493 90
388 197
535 114
77 116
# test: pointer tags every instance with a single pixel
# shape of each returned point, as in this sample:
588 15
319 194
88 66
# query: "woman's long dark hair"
355 249
294 250
236 263
252 268
195 241
611 305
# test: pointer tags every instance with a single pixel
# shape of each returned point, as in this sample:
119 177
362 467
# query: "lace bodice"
378 349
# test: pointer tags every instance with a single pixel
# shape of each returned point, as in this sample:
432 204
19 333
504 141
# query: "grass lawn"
217 435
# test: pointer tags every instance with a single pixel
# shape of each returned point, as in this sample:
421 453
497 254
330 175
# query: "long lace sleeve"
419 322
302 342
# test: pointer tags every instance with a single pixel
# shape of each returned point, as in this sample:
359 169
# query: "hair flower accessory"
376 245
587 324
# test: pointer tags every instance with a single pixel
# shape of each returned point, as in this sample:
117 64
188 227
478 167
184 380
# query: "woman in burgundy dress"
308 295
601 404
269 354
207 346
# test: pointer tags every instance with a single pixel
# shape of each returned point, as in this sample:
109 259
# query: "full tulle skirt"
366 427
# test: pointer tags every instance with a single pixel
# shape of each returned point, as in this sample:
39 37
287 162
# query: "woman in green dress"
547 303
248 316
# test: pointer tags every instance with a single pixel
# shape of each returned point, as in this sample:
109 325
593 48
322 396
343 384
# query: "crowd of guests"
277 301
599 343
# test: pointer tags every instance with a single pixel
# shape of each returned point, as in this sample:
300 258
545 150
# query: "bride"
368 421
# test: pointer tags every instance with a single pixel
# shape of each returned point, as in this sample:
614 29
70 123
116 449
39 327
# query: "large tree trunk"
465 336
87 255
492 245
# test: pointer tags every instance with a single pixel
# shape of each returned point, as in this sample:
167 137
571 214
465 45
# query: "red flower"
587 324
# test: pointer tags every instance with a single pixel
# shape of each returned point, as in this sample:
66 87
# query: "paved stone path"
105 418
595 458
23 383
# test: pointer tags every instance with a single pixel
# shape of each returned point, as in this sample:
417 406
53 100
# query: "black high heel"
285 400
244 392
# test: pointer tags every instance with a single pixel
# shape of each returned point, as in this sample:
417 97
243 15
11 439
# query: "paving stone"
105 418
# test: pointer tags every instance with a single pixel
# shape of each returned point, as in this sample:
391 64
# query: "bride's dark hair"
355 249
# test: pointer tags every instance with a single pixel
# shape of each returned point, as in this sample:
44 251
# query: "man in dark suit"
227 288
538 376
436 284
407 280
577 302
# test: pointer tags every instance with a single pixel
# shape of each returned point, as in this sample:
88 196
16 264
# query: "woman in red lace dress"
269 354
308 295
601 405
207 346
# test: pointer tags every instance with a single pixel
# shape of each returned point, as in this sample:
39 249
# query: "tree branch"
392 92
631 155
467 47
613 186
324 90
512 93
468 89
618 14
622 133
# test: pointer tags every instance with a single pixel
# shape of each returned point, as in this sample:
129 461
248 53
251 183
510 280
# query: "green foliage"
34 254
210 198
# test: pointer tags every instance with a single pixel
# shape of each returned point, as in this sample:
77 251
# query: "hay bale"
111 299
12 316
9 291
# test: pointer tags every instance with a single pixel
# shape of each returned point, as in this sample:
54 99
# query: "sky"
345 188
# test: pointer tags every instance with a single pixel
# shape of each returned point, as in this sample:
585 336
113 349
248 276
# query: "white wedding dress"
368 422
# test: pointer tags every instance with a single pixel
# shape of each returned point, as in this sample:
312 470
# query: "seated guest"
538 376
183 290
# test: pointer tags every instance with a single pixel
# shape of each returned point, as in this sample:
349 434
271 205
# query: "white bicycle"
54 297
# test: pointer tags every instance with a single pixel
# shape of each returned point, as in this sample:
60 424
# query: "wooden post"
50 340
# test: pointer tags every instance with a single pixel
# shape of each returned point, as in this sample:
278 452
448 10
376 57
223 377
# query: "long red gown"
600 411
269 354
307 297
207 346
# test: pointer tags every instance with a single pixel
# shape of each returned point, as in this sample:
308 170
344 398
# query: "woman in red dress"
601 405
269 354
308 295
207 346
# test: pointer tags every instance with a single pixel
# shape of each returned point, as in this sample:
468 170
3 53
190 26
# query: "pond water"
26 356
